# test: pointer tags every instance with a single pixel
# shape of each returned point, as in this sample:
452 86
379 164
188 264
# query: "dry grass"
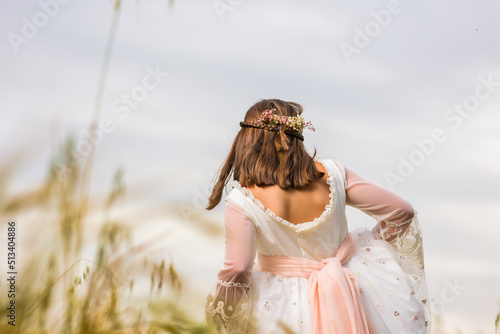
60 292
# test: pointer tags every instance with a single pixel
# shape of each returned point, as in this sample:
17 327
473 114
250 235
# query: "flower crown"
292 125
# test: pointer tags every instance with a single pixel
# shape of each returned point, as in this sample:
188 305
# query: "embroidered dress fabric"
387 266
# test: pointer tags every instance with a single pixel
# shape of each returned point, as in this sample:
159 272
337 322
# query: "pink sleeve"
240 248
227 308
393 213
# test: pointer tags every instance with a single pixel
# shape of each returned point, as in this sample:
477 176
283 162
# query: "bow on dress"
334 298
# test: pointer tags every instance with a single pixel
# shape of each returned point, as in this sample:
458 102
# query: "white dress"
390 275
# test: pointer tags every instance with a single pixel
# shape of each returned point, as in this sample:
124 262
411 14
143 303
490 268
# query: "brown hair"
263 157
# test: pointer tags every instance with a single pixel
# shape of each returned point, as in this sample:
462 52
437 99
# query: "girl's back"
296 205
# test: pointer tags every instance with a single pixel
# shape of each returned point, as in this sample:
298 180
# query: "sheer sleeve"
228 304
397 221
393 213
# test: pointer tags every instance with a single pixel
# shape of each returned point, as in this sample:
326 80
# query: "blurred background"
116 115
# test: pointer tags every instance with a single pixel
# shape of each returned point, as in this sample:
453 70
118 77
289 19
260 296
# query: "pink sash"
334 298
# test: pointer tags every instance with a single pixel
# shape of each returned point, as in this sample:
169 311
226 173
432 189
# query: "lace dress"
383 274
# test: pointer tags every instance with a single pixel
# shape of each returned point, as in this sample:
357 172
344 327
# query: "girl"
313 276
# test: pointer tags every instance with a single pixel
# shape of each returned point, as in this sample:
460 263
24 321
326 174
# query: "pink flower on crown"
294 123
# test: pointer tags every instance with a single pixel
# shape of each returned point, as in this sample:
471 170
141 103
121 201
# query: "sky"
405 93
